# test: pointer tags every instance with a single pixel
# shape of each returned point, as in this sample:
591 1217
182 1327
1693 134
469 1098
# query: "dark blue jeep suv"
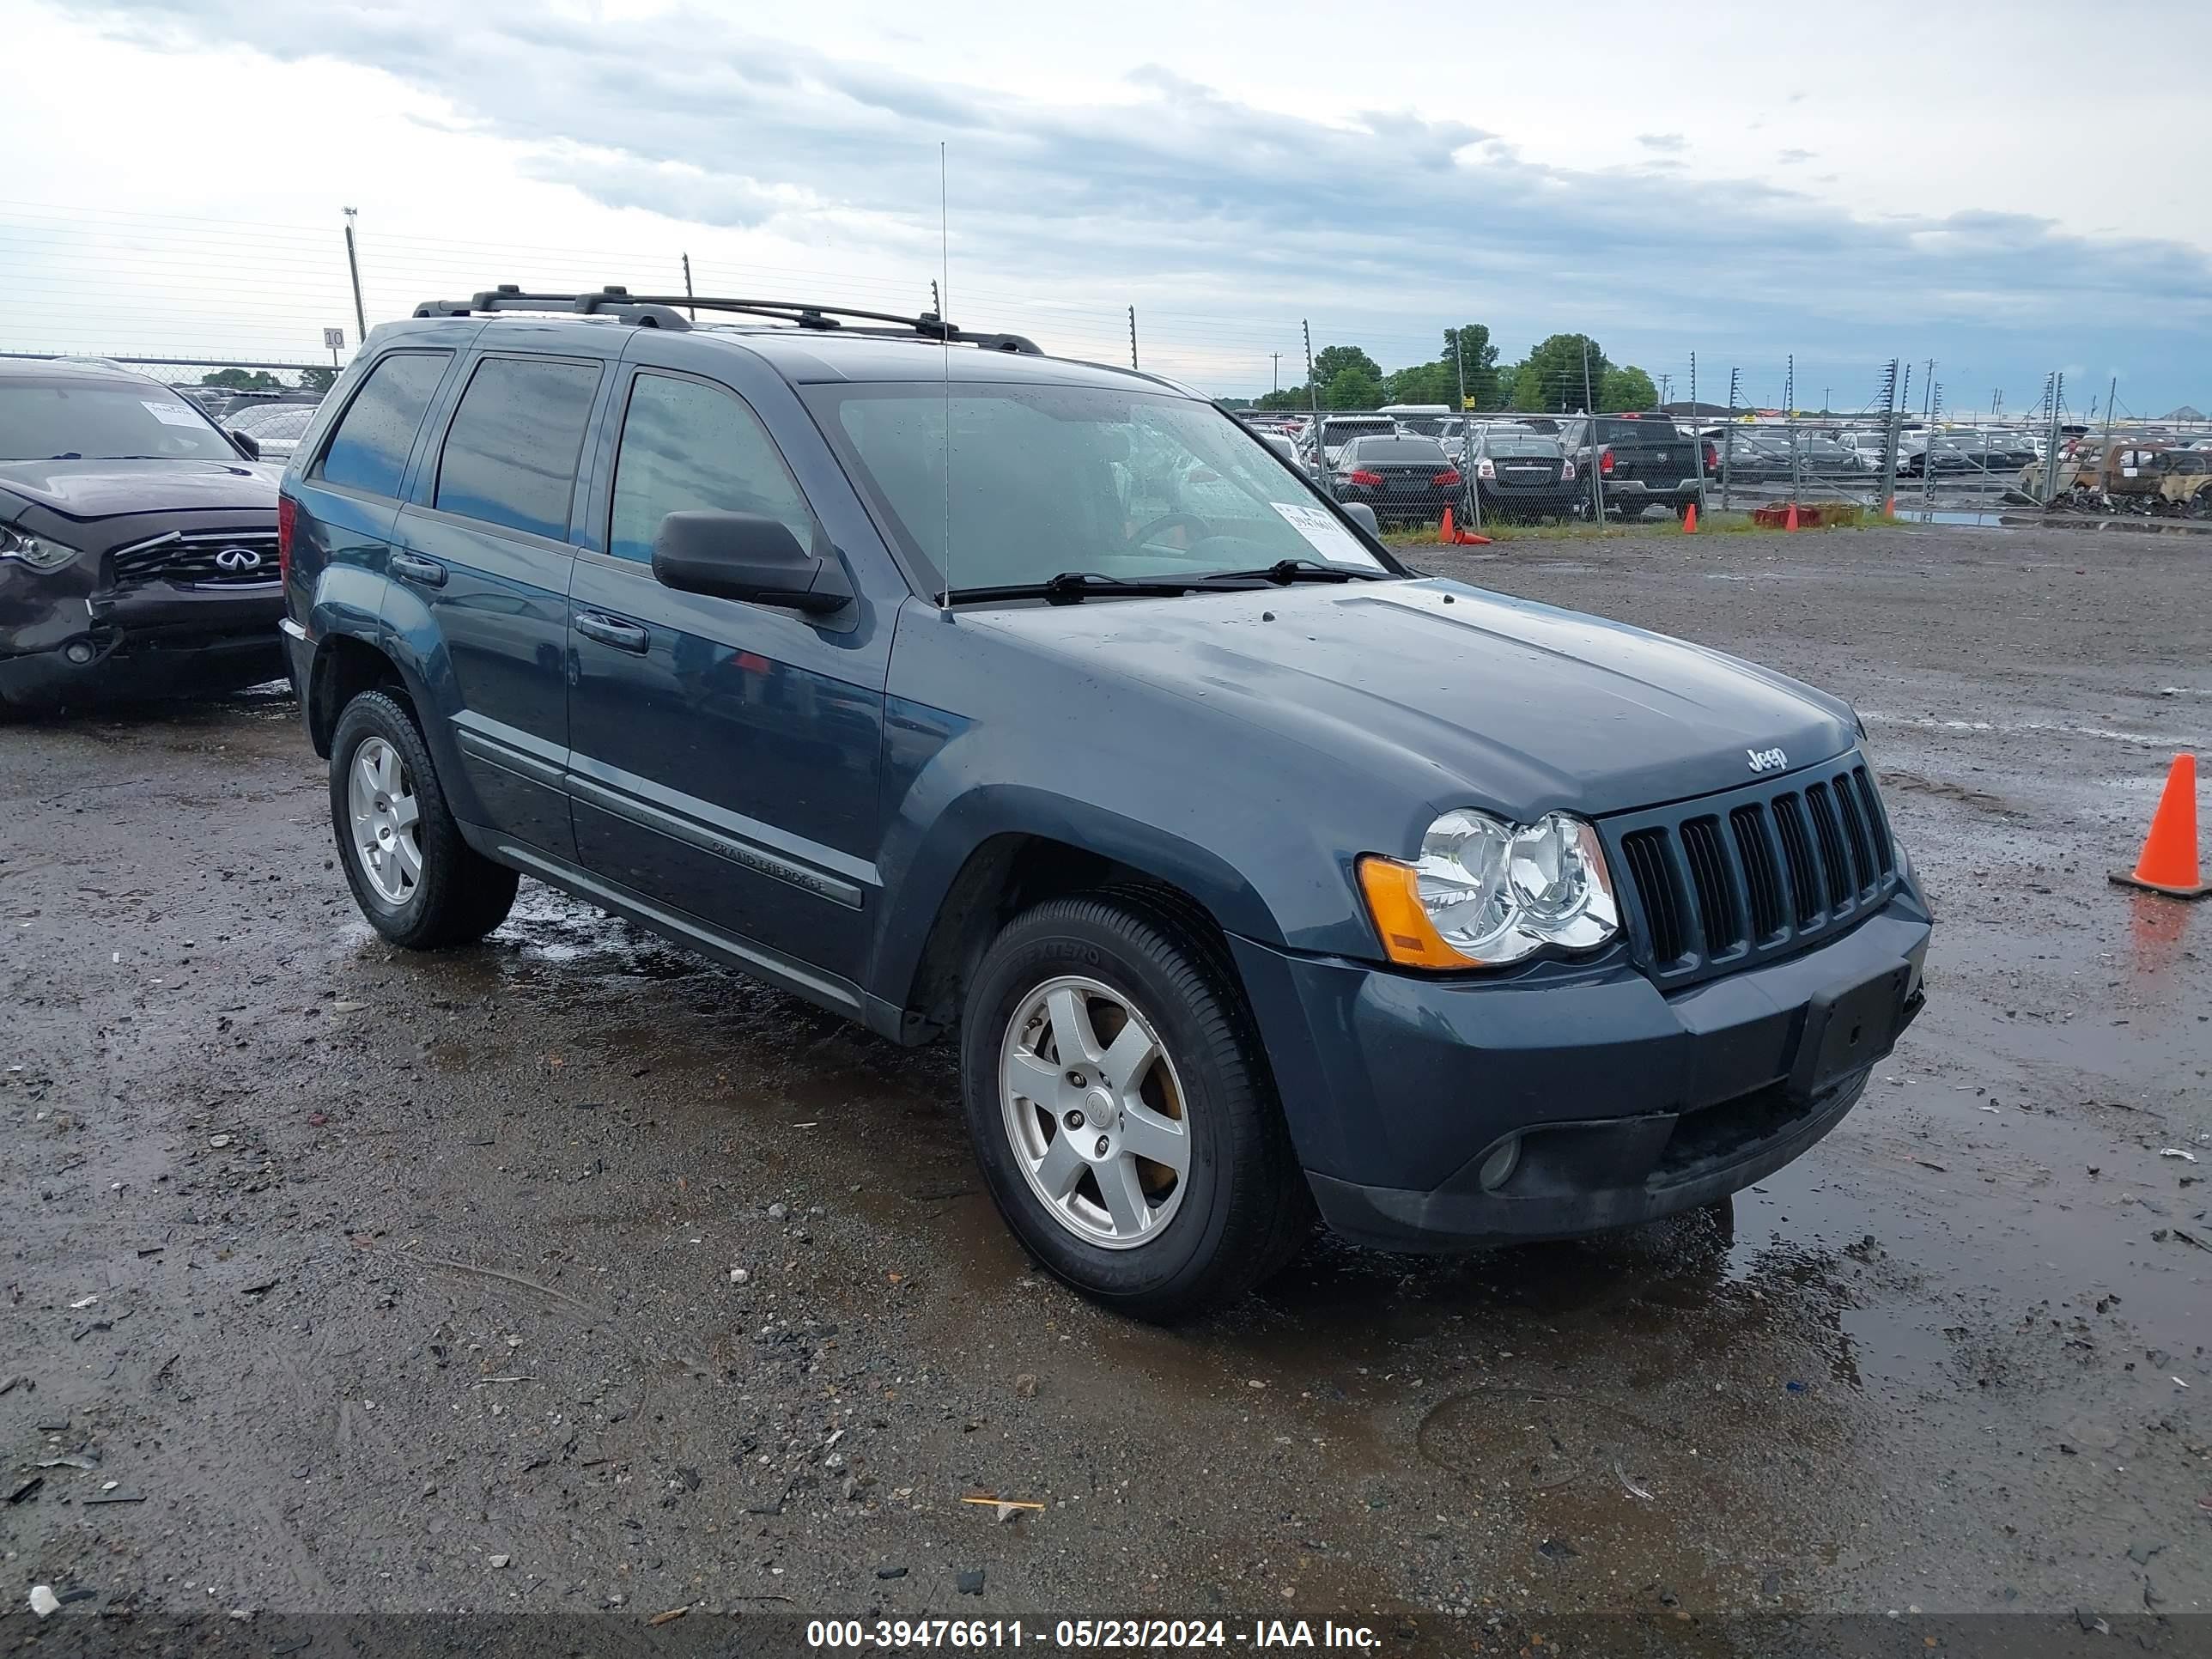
965 689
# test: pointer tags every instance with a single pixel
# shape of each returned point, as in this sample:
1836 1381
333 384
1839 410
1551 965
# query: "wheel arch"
344 666
923 968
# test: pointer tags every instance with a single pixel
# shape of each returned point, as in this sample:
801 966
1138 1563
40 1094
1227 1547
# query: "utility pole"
694 310
1278 356
1133 336
353 265
1666 386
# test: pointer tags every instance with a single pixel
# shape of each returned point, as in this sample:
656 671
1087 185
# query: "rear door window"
510 454
369 451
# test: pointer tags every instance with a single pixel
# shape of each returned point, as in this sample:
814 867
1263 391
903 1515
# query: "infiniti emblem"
236 559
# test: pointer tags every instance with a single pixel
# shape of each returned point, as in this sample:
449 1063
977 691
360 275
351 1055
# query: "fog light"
1498 1169
78 652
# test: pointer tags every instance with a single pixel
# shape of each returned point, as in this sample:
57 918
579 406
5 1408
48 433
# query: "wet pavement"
388 1282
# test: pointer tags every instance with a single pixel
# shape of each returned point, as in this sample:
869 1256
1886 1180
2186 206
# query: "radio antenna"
945 334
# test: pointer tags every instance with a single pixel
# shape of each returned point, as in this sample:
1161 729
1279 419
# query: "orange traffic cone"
1689 519
1889 507
2169 863
1446 535
1790 522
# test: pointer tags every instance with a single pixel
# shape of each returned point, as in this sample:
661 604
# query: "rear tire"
420 884
1070 994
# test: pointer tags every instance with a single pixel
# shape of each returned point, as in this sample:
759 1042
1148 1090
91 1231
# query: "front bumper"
1627 1104
155 643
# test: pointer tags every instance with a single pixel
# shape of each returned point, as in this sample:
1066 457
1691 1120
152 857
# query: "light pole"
353 265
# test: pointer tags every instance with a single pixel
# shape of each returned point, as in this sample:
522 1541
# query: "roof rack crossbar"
669 311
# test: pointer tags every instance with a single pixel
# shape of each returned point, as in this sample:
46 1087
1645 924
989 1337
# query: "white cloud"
1226 180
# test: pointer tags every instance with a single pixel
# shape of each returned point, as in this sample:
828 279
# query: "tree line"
313 377
1551 377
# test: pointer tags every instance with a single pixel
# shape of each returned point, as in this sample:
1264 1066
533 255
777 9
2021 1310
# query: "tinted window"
1517 443
510 455
688 447
370 448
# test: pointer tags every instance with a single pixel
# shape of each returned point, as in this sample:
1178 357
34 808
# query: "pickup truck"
1636 462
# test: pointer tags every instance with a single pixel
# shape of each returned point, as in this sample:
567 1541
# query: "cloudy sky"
2008 188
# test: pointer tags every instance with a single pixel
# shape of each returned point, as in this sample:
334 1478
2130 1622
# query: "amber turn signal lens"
1393 900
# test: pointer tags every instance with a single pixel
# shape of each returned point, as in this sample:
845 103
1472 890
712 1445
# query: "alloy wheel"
1095 1112
386 816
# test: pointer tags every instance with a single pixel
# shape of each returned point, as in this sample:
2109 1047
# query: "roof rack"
668 311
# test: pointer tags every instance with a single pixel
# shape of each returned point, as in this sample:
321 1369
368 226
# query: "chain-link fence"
1408 463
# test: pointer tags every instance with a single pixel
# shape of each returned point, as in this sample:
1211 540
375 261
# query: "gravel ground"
571 1272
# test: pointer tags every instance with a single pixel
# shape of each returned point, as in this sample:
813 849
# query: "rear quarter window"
369 451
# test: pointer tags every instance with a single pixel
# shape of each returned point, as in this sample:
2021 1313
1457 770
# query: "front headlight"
35 551
1483 893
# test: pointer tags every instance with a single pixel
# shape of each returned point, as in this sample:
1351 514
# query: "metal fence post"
1891 416
1697 439
1590 414
2050 472
1728 443
1313 396
1789 417
1467 480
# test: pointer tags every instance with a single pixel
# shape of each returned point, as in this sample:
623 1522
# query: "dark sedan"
1521 474
1405 480
138 548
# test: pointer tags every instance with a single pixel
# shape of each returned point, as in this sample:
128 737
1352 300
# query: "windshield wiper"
1071 585
1284 572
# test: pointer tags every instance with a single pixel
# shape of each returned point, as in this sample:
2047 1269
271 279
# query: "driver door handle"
614 631
413 567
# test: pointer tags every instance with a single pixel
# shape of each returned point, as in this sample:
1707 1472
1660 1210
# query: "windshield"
1046 479
1519 443
104 420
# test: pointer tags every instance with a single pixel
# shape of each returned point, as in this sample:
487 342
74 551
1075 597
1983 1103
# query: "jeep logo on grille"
1767 760
237 560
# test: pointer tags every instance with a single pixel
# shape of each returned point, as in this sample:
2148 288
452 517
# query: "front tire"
417 881
1121 1109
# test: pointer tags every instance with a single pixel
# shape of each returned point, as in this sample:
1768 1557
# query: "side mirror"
249 445
1362 515
748 556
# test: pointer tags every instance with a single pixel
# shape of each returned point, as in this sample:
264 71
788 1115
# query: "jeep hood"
102 489
1469 697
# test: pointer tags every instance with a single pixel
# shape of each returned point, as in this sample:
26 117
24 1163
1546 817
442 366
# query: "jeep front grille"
1716 884
199 558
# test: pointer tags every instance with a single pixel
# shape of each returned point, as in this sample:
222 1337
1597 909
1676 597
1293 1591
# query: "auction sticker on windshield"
170 414
1326 536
